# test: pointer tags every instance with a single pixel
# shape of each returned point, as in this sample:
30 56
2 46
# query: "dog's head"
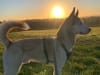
78 26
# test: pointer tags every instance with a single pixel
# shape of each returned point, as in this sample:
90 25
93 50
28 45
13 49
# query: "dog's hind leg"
11 63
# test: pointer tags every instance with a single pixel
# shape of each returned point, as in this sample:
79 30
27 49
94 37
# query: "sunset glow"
46 9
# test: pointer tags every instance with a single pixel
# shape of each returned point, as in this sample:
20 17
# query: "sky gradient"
41 9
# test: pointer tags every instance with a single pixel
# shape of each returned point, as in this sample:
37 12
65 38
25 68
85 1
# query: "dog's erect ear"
77 13
73 12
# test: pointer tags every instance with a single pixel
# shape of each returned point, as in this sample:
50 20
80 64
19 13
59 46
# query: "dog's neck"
66 36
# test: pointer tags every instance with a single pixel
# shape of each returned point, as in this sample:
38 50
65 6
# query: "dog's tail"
7 27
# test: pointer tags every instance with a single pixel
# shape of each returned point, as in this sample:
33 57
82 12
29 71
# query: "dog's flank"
25 50
8 26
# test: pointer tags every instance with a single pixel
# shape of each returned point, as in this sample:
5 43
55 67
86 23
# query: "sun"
57 12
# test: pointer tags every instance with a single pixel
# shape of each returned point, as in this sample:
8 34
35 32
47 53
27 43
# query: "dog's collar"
68 53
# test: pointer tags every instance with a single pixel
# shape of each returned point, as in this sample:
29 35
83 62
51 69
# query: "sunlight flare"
57 12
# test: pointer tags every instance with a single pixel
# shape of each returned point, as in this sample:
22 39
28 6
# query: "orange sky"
37 9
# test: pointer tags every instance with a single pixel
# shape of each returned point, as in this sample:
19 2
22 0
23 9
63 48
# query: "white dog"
52 50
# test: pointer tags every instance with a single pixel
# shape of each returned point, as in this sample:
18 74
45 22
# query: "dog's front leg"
59 62
57 71
58 67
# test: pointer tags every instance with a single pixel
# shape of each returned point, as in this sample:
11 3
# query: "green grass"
85 59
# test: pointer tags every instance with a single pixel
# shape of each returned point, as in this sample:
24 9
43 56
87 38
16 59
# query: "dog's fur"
27 50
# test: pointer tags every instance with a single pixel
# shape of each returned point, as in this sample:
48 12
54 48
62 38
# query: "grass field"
85 59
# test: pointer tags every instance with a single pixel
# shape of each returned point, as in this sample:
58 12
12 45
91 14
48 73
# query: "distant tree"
92 21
